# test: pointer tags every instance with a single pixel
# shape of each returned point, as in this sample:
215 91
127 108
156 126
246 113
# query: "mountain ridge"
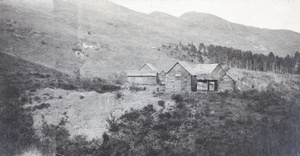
120 38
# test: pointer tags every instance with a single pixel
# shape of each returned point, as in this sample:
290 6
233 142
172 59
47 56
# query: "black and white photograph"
149 78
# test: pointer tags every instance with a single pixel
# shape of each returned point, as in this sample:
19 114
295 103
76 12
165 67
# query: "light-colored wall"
143 80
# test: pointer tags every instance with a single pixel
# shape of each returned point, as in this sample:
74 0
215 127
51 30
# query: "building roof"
186 66
151 66
197 69
141 73
205 68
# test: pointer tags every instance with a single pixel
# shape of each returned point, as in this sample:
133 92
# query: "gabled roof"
141 73
150 66
186 66
205 68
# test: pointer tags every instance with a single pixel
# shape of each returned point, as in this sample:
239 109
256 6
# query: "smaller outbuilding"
208 76
146 75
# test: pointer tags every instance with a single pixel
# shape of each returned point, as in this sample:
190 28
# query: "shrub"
161 103
131 116
105 138
81 97
149 109
158 94
54 140
113 124
110 87
166 115
66 86
180 105
119 95
41 106
136 88
76 49
177 98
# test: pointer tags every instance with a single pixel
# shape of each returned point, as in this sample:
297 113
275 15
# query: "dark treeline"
241 59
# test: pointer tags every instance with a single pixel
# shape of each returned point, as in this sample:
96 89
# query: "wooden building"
180 78
142 77
184 77
146 75
198 77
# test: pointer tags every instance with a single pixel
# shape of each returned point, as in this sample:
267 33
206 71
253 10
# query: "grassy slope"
258 80
25 75
122 39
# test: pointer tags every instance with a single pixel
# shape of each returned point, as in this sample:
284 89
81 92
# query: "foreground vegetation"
243 123
248 123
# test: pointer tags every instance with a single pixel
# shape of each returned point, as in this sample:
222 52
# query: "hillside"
250 122
99 38
60 116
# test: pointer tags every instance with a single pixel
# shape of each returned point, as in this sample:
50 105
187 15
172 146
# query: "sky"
272 14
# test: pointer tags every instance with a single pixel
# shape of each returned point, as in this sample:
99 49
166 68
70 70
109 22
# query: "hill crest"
121 38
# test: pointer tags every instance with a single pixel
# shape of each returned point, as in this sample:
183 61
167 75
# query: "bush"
55 137
119 95
43 42
66 86
41 106
166 115
149 109
135 88
113 124
161 103
110 87
76 49
180 105
177 98
131 116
